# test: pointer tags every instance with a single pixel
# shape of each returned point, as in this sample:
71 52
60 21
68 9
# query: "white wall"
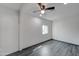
31 29
67 29
8 31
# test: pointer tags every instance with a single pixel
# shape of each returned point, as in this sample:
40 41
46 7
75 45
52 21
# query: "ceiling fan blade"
42 7
40 4
50 8
36 11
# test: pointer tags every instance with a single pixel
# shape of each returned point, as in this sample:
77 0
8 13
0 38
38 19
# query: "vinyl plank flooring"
50 48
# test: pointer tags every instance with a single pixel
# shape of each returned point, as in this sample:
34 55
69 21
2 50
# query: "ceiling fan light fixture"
42 11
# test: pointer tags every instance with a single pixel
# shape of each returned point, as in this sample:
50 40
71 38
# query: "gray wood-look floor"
50 48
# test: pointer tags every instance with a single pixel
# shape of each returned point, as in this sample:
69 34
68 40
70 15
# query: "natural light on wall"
44 29
37 21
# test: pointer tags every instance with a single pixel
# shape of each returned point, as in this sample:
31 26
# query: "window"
44 29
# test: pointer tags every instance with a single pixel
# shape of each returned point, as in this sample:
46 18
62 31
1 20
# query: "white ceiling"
14 6
60 11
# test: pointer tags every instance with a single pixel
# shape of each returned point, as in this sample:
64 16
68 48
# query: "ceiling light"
42 11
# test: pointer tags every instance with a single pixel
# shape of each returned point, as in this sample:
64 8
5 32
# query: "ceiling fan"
43 8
